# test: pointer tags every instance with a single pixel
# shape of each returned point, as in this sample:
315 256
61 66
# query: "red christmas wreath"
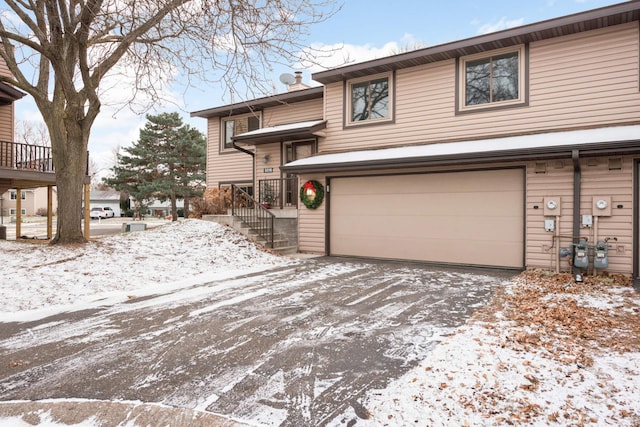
312 194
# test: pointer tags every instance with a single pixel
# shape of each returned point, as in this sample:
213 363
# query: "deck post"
18 213
87 219
49 212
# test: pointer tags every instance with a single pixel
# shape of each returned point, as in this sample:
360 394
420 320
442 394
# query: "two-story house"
516 149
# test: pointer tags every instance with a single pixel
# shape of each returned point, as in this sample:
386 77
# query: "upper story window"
493 79
369 99
14 195
236 125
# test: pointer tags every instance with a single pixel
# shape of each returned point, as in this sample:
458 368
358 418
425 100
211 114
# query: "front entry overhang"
618 140
290 132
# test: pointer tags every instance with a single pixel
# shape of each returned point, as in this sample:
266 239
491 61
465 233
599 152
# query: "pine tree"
166 163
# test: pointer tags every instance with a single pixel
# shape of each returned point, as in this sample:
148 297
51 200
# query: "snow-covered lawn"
38 279
547 351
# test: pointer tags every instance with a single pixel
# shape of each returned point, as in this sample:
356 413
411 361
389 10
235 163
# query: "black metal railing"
252 213
279 192
14 155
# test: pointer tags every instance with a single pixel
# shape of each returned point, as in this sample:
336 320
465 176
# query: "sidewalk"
90 413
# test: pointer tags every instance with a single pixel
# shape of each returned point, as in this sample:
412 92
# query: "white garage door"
474 218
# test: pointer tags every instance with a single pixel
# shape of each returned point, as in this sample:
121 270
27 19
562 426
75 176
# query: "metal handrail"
19 156
15 155
252 213
279 192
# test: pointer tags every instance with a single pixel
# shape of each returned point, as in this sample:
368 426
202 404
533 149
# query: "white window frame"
12 211
223 127
522 76
13 195
349 100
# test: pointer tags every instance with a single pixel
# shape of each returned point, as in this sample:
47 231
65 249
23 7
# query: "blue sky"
362 30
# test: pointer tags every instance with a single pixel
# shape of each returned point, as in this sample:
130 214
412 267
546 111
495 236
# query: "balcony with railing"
25 157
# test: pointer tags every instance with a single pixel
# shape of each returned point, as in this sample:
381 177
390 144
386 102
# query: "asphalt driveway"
293 346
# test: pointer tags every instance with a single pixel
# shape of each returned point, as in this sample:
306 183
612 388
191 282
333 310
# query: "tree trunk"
186 209
69 146
174 208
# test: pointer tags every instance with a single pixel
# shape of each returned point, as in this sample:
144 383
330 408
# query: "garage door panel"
467 227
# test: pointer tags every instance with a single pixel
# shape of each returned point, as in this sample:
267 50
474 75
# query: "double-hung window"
493 79
14 195
237 125
369 99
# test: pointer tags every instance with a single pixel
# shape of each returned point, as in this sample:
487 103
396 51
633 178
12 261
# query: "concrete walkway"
108 414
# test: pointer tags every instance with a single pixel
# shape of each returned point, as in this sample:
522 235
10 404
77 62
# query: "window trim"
348 113
223 128
523 80
13 195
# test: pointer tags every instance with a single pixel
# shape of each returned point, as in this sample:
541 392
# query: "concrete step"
286 250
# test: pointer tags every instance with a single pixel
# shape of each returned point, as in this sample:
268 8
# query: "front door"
296 151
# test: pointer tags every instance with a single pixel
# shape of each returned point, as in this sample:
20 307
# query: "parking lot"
36 227
296 345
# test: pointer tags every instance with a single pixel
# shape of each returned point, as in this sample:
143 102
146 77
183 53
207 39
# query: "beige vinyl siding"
584 80
292 113
230 166
596 180
599 181
6 122
311 223
557 182
273 150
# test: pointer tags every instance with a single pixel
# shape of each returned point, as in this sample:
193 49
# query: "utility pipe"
557 243
253 163
577 177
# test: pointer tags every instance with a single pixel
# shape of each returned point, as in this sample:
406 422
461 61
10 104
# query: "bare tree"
32 132
60 51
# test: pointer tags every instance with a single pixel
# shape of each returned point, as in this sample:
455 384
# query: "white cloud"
502 24
337 55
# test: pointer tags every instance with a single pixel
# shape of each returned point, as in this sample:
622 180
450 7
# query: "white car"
109 212
97 213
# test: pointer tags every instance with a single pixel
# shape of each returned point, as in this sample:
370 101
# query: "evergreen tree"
166 163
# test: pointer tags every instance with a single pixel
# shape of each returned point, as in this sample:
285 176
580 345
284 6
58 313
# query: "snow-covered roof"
274 133
609 139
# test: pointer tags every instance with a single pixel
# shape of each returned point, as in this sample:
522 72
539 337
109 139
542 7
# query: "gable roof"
571 24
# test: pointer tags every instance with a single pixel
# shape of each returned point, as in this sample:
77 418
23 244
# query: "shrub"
41 212
215 201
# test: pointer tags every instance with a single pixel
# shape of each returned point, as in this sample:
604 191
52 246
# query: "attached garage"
470 217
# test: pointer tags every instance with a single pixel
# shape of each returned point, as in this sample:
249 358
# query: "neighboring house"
502 150
105 199
33 201
158 208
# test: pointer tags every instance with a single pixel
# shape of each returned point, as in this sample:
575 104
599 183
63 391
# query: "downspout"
253 163
577 176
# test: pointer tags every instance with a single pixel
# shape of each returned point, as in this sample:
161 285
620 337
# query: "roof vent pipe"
577 178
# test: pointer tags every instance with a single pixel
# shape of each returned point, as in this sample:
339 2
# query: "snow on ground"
543 353
39 280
